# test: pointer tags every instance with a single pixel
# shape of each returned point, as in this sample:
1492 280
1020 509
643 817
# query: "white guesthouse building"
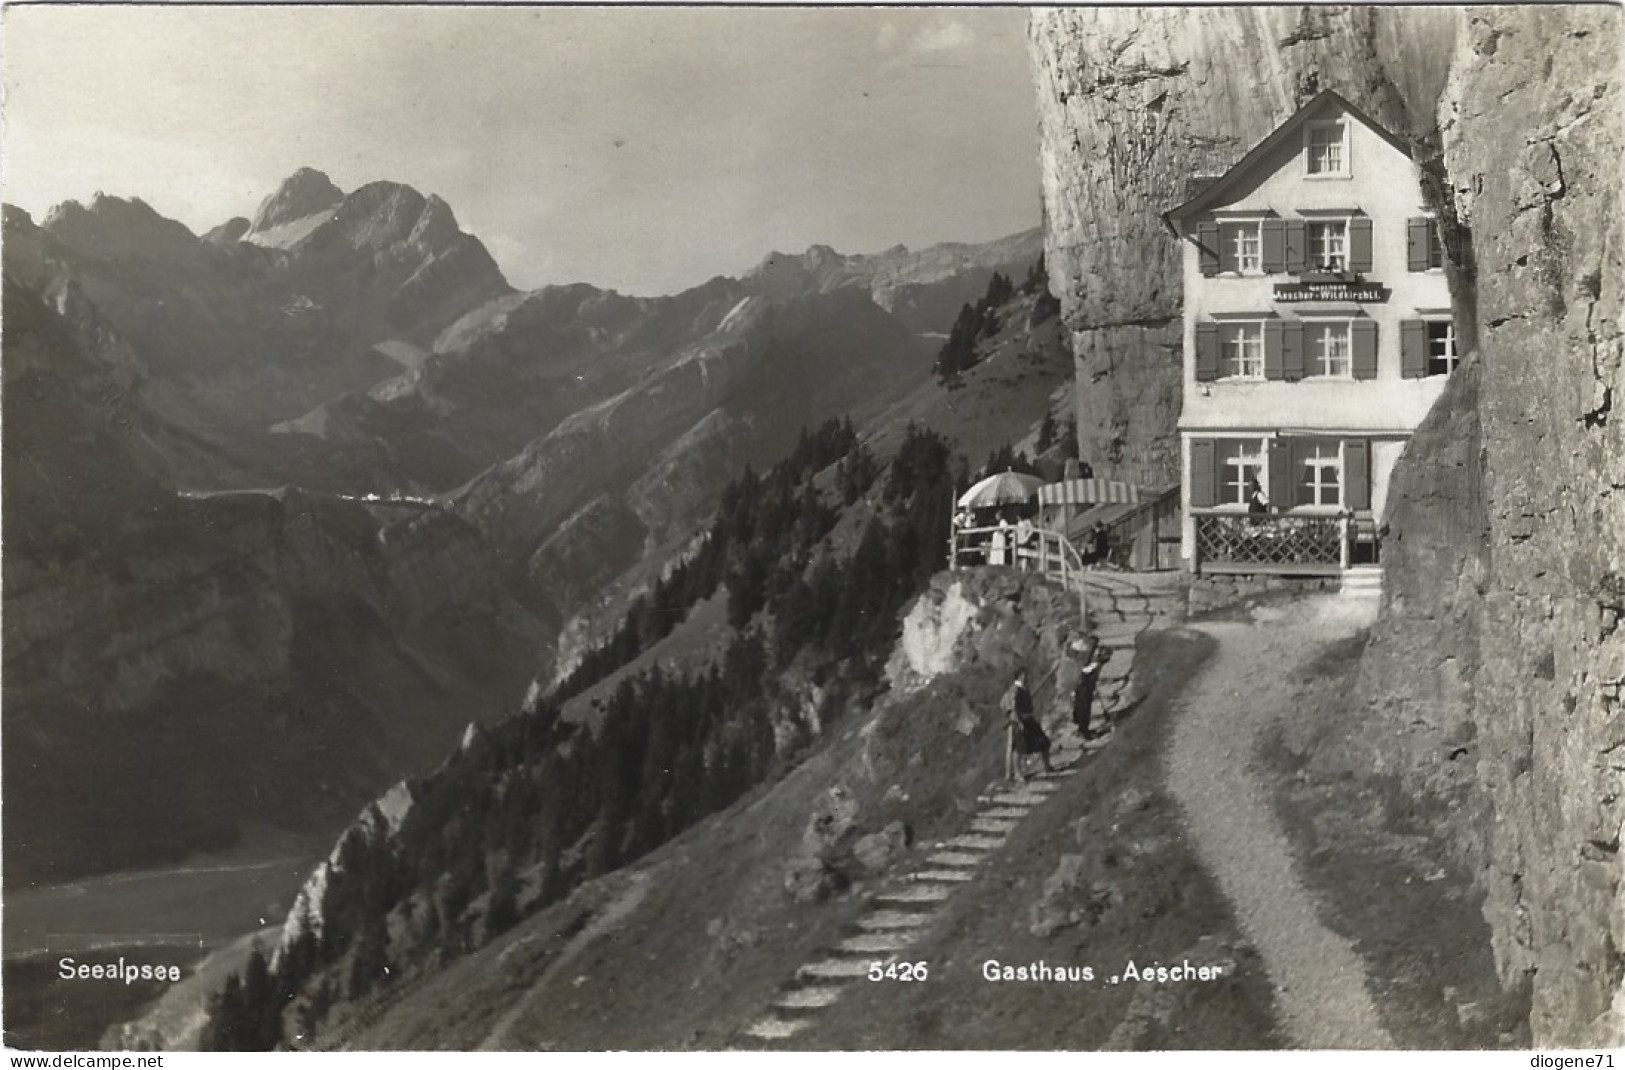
1317 334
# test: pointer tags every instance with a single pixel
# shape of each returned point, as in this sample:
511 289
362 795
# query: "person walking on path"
1025 735
1092 654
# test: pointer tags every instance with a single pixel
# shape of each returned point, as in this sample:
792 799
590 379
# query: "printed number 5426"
897 971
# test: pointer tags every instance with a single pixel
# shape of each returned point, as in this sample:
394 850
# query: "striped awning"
1088 492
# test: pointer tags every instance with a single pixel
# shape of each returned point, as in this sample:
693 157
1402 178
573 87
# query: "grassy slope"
714 934
701 640
1023 373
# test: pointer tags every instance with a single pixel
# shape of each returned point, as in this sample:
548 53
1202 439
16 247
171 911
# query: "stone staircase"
904 910
1121 606
1362 581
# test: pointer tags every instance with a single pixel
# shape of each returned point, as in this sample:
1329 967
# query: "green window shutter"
1204 481
1413 349
1281 475
1272 349
1207 247
1360 244
1292 351
1207 352
1273 246
1297 245
1418 243
1356 473
1363 342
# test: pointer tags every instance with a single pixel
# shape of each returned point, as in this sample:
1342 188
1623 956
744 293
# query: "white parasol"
1005 488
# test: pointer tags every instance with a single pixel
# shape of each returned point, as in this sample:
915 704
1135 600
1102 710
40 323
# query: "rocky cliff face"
1492 683
1132 103
1532 656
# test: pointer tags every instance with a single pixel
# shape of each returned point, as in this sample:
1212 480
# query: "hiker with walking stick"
1024 735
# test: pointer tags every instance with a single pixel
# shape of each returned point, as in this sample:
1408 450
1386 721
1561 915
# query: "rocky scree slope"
1493 679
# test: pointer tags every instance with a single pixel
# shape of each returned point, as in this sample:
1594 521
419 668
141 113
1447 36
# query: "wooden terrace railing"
1312 545
1044 551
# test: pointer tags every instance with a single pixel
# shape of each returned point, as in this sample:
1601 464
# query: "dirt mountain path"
1319 981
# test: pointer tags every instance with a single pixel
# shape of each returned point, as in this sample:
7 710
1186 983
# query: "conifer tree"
1046 432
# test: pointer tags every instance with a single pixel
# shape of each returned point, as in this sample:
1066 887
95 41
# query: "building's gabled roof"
1215 189
1195 184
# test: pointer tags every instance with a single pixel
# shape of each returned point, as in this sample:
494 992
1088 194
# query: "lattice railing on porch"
1270 541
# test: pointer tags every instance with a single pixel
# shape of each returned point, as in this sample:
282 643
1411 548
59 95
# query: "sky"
642 149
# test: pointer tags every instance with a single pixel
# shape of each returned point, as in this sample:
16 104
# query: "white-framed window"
1326 148
1243 246
1441 346
1328 244
1328 348
1241 350
1321 474
1241 470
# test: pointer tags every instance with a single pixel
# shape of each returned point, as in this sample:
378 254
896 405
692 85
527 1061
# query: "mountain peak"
818 255
231 231
119 226
302 194
101 206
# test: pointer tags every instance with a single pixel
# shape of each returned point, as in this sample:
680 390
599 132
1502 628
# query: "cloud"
950 36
